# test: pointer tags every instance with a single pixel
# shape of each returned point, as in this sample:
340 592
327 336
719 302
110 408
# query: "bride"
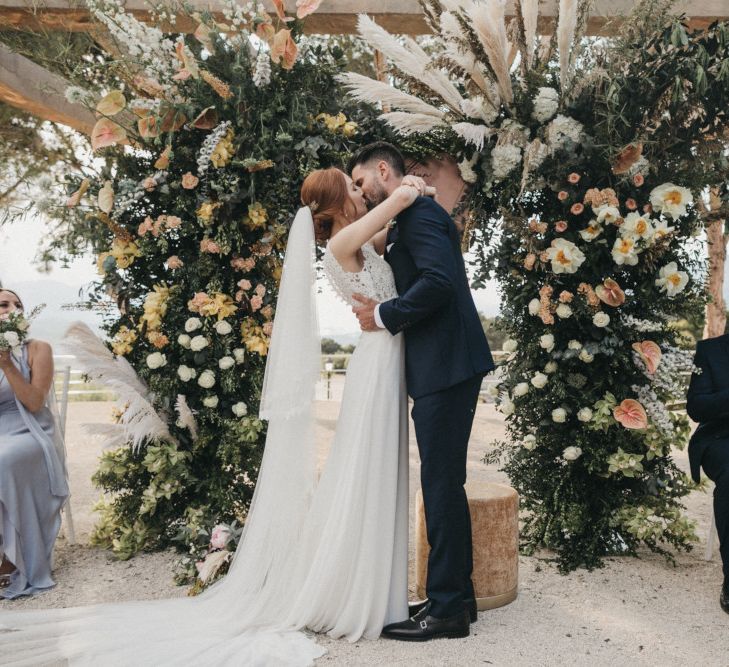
327 555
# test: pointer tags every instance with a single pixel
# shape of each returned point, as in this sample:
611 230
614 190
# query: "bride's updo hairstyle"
325 192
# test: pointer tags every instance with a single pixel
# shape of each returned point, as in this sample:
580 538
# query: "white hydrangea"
211 401
562 130
546 342
546 103
584 414
240 409
571 453
529 442
559 415
504 159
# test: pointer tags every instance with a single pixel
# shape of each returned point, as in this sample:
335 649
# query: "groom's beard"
375 198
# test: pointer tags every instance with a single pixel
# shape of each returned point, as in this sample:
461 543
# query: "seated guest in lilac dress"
33 486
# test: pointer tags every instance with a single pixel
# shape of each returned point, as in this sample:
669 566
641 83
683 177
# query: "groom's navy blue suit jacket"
444 340
708 399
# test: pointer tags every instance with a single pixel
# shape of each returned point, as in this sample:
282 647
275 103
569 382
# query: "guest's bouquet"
14 328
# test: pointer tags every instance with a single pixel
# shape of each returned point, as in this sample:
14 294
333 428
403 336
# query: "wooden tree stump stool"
495 528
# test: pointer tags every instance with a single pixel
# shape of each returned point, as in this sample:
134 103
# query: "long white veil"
242 619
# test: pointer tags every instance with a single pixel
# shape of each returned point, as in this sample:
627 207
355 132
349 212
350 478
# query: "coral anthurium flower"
650 353
610 293
306 7
631 414
107 133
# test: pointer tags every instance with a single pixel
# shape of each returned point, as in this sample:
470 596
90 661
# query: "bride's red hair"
326 191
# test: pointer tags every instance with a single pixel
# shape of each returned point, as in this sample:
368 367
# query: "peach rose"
244 284
198 301
574 178
174 262
260 290
268 328
631 414
149 183
256 303
146 226
631 204
189 181
173 222
561 225
577 209
267 312
638 180
208 245
529 261
563 195
565 296
648 209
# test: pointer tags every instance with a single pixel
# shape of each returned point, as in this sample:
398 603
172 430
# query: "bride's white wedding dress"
329 556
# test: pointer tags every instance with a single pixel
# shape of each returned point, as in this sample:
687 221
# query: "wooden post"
716 242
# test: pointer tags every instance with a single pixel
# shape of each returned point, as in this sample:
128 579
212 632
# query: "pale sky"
19 241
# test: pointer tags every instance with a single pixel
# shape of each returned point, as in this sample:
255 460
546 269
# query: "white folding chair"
68 527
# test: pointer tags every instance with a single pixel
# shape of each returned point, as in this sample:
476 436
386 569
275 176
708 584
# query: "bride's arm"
349 240
379 241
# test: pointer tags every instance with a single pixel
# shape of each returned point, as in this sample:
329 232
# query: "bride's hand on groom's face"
365 313
420 185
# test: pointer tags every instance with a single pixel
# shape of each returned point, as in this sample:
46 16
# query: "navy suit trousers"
443 422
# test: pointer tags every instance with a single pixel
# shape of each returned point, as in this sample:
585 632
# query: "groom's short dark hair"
379 150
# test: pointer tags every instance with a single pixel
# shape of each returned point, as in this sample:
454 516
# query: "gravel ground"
634 611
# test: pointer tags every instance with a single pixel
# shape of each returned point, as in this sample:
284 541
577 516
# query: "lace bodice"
375 280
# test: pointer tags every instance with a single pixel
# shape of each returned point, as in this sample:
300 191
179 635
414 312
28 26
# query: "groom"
446 357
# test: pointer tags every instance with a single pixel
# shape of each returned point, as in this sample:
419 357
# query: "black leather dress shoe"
422 627
416 607
724 597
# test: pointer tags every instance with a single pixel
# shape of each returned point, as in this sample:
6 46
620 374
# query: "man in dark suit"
446 357
708 404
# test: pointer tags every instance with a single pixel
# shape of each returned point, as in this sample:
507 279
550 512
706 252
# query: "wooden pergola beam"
332 17
30 87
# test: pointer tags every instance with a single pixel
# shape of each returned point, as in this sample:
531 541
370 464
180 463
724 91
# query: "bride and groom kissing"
329 552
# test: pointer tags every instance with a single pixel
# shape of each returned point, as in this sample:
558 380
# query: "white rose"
574 345
534 307
564 311
550 367
546 341
156 360
507 406
521 389
601 319
240 409
206 379
240 355
12 338
225 363
185 373
223 327
571 453
539 380
586 356
193 324
584 415
510 345
22 324
198 343
529 442
184 341
559 415
210 401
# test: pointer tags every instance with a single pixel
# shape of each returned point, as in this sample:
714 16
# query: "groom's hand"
365 313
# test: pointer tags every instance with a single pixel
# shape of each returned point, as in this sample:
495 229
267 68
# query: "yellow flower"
257 216
333 123
123 341
223 151
220 305
253 337
124 252
350 128
155 307
206 210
